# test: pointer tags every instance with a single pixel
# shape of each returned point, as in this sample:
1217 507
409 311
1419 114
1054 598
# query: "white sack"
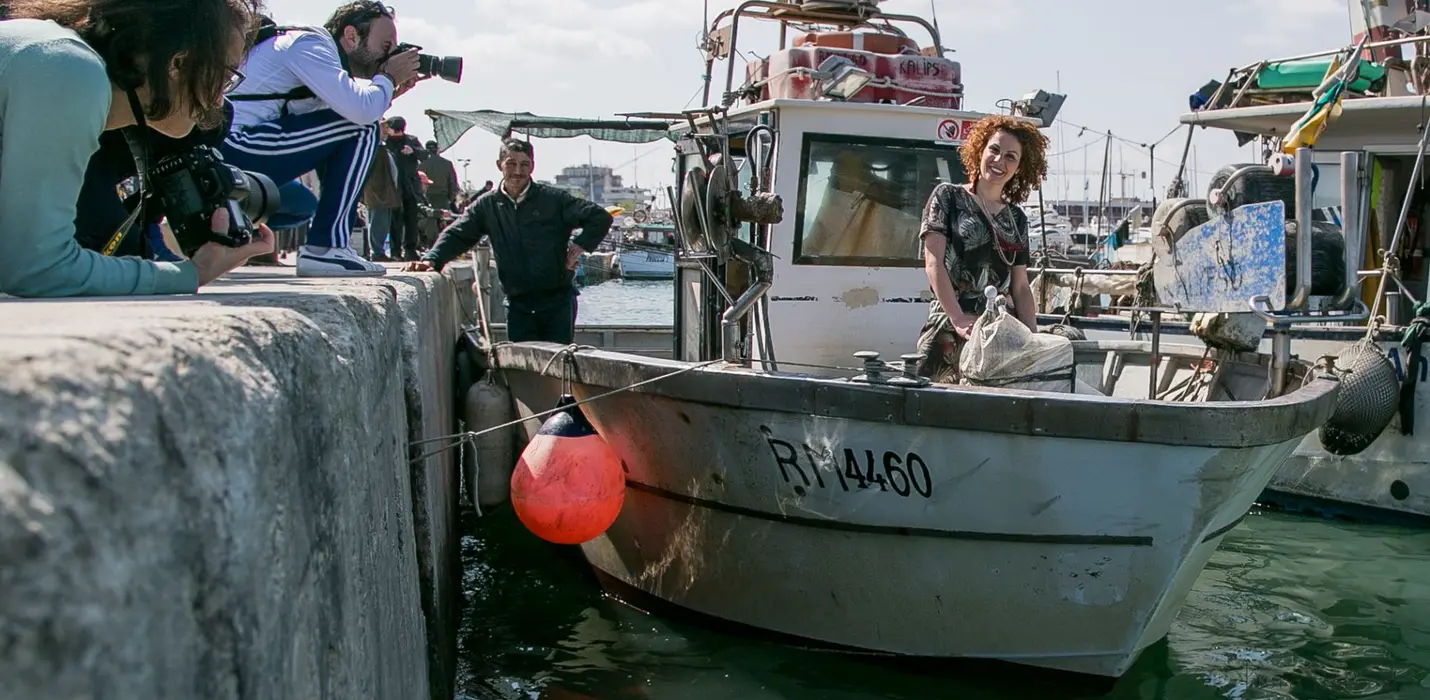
1004 353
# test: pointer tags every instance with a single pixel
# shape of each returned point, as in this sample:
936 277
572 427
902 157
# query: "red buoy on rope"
568 486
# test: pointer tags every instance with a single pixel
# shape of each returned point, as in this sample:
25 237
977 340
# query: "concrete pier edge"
214 495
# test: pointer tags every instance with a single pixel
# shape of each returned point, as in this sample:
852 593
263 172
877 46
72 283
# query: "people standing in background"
382 198
407 153
443 174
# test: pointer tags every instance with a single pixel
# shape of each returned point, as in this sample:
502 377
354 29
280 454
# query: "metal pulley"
711 211
719 219
692 208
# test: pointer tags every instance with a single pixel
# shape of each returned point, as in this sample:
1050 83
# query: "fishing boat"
1369 160
647 252
782 474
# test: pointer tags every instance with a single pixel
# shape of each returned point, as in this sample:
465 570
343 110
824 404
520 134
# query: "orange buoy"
568 485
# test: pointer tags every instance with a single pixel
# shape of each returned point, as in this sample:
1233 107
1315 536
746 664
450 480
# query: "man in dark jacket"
530 228
443 174
407 152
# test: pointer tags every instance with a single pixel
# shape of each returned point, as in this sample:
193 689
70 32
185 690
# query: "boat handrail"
1261 306
1331 52
787 13
1251 69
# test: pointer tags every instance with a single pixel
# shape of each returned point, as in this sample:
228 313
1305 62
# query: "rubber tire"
1252 189
1328 258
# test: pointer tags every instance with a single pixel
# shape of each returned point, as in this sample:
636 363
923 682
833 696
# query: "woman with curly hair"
975 235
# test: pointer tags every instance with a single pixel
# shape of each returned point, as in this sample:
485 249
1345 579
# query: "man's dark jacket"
443 174
407 163
529 240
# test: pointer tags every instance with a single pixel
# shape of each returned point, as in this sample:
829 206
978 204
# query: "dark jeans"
404 237
549 317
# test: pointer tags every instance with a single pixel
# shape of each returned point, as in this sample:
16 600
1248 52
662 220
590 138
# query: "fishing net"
1369 398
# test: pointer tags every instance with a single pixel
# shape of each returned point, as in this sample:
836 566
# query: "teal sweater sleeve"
54 100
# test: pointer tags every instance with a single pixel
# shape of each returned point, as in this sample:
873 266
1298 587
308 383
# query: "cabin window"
861 199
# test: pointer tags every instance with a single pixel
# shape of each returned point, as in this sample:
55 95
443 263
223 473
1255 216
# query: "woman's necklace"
999 231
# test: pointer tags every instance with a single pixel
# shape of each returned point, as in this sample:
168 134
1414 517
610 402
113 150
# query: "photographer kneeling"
72 69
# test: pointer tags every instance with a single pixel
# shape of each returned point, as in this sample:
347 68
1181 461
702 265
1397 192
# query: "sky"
1126 66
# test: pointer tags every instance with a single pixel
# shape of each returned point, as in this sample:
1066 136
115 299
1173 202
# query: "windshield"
861 199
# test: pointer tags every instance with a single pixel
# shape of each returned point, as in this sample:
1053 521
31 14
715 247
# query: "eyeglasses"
235 78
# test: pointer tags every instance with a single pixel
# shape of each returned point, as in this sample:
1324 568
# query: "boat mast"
1062 146
1102 186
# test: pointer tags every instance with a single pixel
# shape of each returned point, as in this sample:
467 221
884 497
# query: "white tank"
487 468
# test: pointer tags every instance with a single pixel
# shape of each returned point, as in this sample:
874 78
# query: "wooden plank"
1219 266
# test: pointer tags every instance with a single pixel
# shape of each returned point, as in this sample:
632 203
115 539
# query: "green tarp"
449 126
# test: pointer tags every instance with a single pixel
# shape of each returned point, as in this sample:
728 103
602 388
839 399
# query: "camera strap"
138 141
302 92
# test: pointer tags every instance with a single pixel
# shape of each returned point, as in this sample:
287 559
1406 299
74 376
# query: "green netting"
449 126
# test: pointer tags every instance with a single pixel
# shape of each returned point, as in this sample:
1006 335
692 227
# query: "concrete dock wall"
213 496
428 377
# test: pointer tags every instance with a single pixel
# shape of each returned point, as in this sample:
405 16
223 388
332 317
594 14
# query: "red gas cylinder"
568 486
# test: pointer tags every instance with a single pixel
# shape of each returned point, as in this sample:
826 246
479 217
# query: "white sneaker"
335 262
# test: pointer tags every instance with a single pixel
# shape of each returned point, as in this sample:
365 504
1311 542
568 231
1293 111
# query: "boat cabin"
851 126
847 262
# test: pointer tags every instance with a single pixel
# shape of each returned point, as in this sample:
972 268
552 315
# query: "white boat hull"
1389 481
1065 553
647 264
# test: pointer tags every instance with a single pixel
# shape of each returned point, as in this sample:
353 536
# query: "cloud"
959 17
1280 25
527 47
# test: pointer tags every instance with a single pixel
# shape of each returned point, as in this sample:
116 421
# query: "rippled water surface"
621 302
1289 607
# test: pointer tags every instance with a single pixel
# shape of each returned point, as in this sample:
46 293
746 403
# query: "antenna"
933 11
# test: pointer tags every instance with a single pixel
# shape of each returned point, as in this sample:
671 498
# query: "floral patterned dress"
972 262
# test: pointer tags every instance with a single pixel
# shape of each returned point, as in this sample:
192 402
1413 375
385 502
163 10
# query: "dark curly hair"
1032 165
358 15
139 40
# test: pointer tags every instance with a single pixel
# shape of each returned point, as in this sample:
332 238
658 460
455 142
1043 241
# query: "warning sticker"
953 130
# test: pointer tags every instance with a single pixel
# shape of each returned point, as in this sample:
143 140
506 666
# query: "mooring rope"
568 352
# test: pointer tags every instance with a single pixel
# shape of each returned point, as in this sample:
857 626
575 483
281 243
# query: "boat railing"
860 15
1249 71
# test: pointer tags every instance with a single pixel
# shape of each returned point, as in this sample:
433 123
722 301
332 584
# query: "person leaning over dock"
71 70
530 225
975 235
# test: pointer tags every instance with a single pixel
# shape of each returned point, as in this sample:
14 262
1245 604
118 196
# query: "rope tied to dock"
569 354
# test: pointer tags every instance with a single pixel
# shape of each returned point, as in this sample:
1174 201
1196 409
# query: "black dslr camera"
194 183
448 68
